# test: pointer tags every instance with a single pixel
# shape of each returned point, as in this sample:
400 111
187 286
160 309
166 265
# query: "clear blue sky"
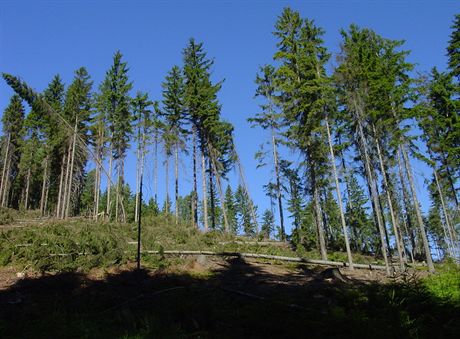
39 39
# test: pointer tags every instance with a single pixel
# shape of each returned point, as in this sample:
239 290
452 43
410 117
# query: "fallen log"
267 256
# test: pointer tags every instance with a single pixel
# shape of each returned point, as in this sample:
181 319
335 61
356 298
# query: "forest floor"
102 295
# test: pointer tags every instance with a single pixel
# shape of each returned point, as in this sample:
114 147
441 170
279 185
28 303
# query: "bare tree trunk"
407 227
44 185
205 198
374 195
221 194
167 183
117 190
319 225
66 183
212 201
194 197
339 196
61 183
450 231
26 201
155 168
120 193
5 170
278 185
418 213
176 182
109 184
97 185
136 209
72 162
394 220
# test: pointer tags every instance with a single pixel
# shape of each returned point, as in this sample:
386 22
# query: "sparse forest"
344 131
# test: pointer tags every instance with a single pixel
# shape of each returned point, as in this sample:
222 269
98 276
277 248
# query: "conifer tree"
143 125
115 92
173 111
12 123
270 119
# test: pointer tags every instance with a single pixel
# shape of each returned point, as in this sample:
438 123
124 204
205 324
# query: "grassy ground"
101 295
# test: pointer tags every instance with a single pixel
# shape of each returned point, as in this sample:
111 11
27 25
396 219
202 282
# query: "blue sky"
39 39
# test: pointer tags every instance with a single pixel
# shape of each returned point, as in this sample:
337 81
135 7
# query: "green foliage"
445 284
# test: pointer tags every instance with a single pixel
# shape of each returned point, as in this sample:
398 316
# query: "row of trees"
46 153
368 109
356 128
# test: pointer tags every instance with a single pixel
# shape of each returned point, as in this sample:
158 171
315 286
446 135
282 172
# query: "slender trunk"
278 185
45 207
26 202
155 168
450 232
5 170
117 189
394 220
120 192
109 184
136 209
194 197
205 199
61 183
66 182
211 193
408 224
67 208
99 155
339 196
417 210
44 181
221 195
167 183
176 181
319 225
374 195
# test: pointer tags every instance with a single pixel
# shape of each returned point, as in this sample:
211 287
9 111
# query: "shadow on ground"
238 300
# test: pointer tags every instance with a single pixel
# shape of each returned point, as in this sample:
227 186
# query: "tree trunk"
222 197
176 182
319 225
407 225
278 185
66 182
26 201
417 210
109 184
67 208
211 193
44 184
339 196
205 197
61 183
394 220
136 209
374 195
167 184
117 189
5 170
450 231
155 168
120 193
194 195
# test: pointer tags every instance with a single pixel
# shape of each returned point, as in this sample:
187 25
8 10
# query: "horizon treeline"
357 132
